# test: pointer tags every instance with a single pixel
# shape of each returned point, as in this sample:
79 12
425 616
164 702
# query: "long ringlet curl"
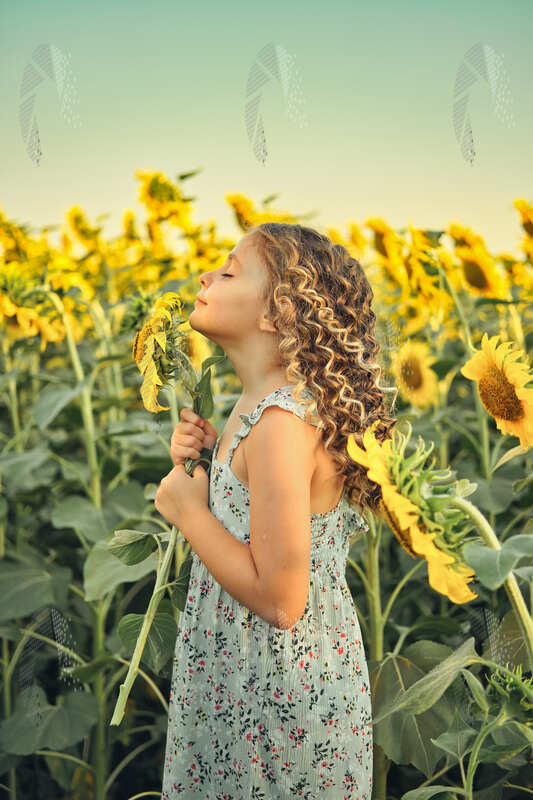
319 299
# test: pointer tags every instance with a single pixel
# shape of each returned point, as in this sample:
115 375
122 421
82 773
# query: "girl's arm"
271 577
229 561
280 463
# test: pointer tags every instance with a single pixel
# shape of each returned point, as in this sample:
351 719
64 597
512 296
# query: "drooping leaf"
426 792
208 362
160 641
426 691
476 687
495 495
179 596
491 565
458 740
131 547
505 644
203 402
405 736
87 672
102 572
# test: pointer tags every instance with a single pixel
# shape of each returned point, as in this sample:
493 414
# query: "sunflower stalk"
160 359
159 587
481 414
510 583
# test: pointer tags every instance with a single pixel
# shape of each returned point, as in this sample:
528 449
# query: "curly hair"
319 300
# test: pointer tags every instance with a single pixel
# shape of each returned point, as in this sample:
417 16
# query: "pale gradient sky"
162 86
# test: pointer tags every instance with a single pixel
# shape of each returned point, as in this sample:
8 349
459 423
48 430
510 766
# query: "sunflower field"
93 579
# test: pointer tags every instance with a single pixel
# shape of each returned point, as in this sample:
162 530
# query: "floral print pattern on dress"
258 712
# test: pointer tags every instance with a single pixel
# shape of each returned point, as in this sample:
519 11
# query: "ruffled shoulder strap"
284 398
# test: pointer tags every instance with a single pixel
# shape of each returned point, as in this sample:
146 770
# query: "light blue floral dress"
261 713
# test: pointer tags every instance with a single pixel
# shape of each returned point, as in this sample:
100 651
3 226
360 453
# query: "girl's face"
232 308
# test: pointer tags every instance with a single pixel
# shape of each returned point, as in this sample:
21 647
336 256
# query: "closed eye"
227 275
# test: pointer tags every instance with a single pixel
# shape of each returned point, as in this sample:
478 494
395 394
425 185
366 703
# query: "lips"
199 300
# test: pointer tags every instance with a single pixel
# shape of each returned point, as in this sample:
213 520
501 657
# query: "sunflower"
158 353
525 210
519 273
480 273
501 387
247 216
388 244
163 200
386 466
415 379
83 232
463 236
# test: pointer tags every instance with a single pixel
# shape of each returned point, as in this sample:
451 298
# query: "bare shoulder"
286 434
280 461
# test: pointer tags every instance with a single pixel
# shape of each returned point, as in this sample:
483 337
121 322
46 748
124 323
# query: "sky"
358 104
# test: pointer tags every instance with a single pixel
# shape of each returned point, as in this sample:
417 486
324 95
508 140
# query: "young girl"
270 695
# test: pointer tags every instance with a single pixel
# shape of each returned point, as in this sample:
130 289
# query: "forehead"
247 254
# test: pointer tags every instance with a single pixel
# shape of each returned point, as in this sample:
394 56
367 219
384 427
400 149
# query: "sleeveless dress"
262 713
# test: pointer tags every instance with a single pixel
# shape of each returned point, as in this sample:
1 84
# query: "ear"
266 325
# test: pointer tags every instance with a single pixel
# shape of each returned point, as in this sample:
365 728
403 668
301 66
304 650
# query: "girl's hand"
190 436
179 495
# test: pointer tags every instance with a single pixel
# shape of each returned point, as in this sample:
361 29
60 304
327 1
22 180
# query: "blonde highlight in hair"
319 300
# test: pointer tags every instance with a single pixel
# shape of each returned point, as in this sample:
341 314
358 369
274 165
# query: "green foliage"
82 515
27 588
53 399
36 723
408 703
493 566
80 462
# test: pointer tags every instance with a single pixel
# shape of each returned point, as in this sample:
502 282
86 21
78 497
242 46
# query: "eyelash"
227 274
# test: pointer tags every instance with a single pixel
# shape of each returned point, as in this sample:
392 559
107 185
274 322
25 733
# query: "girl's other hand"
190 436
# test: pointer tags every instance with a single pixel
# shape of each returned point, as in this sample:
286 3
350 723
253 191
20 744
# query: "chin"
191 321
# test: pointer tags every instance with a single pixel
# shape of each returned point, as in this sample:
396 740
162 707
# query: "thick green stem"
66 757
381 763
173 409
13 396
87 414
153 686
517 326
510 583
13 404
481 412
161 583
374 599
7 711
114 379
86 401
125 761
473 762
100 741
159 587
